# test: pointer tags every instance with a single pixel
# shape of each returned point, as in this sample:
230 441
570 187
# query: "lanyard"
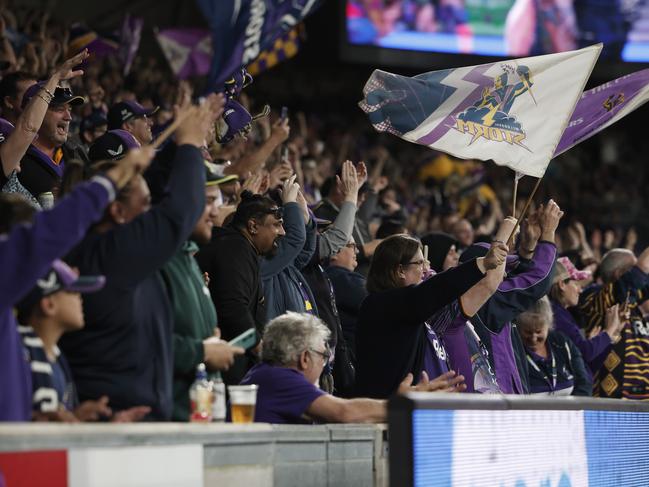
553 384
308 307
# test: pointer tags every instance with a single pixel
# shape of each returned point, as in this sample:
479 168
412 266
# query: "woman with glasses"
564 295
395 333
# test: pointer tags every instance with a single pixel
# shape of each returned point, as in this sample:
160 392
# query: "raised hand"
67 71
614 323
361 171
530 233
290 190
196 122
549 220
348 182
304 207
280 131
496 256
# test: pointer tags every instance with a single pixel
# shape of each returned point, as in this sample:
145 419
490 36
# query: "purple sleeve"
542 264
518 292
590 349
27 251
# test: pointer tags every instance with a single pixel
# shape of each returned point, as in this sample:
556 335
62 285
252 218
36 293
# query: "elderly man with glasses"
294 352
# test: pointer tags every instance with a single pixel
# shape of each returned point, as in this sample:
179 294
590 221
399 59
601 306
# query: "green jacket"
194 320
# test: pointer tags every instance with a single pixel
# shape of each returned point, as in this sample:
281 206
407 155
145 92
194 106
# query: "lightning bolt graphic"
468 84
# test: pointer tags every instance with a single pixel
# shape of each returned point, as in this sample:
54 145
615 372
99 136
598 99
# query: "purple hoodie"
26 254
523 286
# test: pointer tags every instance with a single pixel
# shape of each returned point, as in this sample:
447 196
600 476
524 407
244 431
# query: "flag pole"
515 193
527 205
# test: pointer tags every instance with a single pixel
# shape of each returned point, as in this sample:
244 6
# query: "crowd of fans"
129 258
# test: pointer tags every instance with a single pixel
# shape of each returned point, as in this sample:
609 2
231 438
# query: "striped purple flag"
603 106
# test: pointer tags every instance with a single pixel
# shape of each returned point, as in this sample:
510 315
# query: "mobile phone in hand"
246 340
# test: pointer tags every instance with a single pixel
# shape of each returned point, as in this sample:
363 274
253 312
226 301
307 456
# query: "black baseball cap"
62 96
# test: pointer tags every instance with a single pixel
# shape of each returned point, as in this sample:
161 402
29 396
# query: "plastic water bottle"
200 397
218 399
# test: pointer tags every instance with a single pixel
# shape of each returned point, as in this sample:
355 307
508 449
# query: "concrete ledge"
230 454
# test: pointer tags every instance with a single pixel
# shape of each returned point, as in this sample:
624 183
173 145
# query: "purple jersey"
435 356
283 396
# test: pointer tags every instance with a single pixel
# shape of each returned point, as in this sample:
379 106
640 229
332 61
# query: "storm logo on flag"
489 116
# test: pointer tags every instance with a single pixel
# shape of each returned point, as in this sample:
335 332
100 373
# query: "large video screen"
503 28
519 448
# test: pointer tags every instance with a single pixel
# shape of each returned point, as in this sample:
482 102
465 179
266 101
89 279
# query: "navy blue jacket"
285 288
350 291
125 350
570 369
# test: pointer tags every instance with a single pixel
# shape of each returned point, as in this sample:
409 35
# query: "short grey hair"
613 260
539 312
290 334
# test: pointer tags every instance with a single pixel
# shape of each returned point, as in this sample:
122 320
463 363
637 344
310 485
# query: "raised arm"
27 251
517 293
29 122
337 236
477 296
292 243
255 160
131 252
415 304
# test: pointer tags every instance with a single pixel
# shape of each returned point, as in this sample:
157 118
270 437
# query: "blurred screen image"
503 27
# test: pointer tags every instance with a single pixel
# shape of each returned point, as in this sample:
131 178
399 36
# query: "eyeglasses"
326 355
351 246
415 262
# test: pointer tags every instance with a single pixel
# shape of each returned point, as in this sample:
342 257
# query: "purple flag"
130 40
188 50
83 38
242 29
603 106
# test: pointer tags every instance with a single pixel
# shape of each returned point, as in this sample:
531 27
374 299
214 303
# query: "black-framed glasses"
326 355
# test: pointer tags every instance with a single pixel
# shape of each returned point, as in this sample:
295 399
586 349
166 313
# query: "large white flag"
513 112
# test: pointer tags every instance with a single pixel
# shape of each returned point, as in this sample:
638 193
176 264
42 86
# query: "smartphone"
246 340
284 114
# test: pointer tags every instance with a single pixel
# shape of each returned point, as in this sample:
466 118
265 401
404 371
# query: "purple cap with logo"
61 95
113 145
126 110
235 120
60 277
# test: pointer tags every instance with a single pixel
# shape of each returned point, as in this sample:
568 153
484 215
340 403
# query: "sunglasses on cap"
62 92
276 211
